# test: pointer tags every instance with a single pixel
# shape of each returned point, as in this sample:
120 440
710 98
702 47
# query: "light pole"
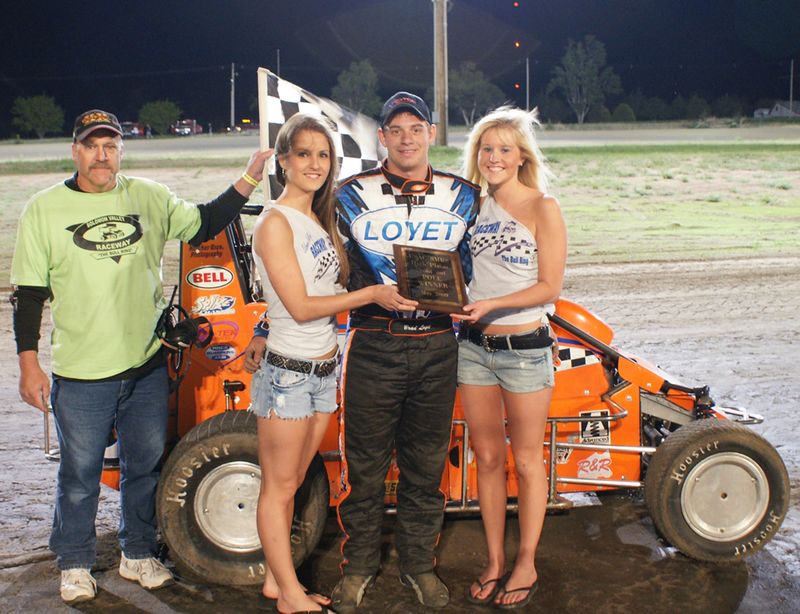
527 83
233 95
440 69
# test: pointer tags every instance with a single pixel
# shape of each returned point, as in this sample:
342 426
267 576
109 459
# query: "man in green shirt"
93 245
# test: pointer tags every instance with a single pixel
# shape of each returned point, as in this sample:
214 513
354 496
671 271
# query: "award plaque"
433 277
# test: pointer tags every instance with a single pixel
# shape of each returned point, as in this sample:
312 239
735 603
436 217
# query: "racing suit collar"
409 186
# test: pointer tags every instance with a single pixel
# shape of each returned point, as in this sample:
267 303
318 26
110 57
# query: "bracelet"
248 179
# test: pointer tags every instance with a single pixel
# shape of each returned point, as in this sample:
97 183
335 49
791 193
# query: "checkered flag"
502 243
355 139
326 261
574 357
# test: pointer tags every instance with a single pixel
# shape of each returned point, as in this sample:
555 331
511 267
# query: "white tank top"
503 261
320 267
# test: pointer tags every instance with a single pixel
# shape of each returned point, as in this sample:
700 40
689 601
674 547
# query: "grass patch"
729 149
66 165
622 203
676 202
446 158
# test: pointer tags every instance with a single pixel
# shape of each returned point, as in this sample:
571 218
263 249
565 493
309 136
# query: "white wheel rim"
225 506
725 497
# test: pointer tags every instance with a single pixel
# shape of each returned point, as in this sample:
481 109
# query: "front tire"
207 498
717 490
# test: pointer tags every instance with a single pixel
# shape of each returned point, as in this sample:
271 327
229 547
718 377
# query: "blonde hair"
324 201
534 171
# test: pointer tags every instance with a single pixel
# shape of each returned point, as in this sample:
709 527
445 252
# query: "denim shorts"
291 395
512 370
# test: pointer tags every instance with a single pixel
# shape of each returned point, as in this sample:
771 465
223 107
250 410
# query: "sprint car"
715 489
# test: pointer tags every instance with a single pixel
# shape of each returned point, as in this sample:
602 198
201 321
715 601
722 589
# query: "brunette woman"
302 264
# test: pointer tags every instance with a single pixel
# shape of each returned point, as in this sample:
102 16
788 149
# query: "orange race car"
715 489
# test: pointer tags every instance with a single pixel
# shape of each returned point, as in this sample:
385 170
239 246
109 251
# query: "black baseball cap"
403 101
88 122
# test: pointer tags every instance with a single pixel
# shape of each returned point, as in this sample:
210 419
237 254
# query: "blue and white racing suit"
399 370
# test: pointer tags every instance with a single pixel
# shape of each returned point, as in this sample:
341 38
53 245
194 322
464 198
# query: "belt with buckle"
321 368
539 338
402 326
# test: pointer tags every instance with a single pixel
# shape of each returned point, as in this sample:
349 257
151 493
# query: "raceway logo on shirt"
324 254
109 236
378 230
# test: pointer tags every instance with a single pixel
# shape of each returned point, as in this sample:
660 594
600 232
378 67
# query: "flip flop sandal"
498 584
522 602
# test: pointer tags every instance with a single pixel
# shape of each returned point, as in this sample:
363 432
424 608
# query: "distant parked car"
133 130
246 126
186 127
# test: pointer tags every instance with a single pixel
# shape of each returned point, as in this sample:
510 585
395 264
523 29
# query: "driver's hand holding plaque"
432 277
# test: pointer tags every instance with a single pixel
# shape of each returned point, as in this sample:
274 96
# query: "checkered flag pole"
356 136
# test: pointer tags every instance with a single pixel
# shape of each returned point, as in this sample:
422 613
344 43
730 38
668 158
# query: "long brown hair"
324 203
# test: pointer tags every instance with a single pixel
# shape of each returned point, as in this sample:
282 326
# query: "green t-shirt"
100 255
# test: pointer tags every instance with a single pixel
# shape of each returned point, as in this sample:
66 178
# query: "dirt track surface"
730 324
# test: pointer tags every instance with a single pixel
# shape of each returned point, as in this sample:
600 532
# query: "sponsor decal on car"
209 277
225 330
595 466
210 251
220 351
214 305
563 454
596 431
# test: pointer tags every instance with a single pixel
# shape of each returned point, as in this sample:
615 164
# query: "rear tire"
207 497
717 490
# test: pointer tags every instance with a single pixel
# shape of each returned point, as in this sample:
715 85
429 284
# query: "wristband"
248 179
261 329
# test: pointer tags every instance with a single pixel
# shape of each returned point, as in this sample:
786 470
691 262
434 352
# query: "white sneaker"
150 573
77 585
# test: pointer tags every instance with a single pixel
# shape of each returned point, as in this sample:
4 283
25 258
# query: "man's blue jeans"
85 414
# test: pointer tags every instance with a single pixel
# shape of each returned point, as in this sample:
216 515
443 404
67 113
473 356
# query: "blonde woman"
301 260
505 364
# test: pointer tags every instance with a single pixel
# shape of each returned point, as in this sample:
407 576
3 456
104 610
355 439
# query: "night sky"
120 54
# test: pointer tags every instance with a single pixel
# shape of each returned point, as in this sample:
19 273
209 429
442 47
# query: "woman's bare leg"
483 411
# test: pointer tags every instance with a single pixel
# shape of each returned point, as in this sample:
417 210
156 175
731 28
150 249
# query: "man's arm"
254 353
257 348
28 304
217 214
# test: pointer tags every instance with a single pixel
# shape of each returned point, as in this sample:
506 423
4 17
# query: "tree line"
579 91
42 115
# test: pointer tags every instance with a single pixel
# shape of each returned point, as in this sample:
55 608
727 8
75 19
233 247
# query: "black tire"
717 490
207 497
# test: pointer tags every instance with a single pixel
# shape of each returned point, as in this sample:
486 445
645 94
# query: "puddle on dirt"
604 558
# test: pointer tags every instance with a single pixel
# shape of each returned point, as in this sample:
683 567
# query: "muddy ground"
730 324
